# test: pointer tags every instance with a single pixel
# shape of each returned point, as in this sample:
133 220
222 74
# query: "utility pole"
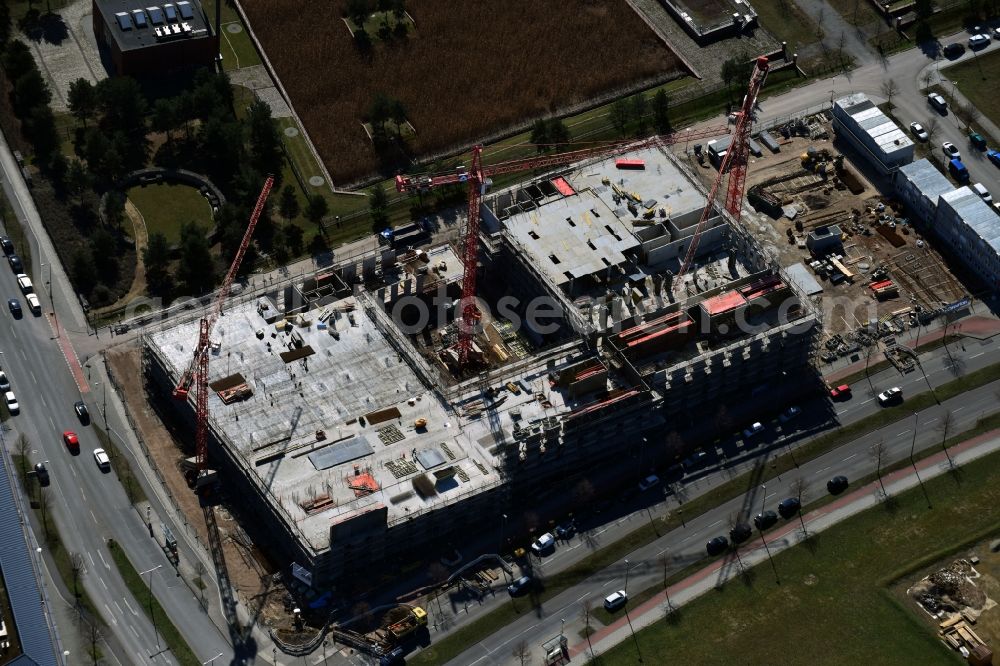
627 617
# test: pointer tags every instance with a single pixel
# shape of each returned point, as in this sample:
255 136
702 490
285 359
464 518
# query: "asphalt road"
686 545
89 506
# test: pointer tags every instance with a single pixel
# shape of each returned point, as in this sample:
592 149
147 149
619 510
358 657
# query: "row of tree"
360 10
639 111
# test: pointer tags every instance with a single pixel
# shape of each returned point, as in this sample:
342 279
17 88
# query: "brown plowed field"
469 70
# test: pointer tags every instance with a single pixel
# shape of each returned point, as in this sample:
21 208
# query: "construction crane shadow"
731 560
244 644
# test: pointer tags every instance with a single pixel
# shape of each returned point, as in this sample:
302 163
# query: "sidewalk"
785 537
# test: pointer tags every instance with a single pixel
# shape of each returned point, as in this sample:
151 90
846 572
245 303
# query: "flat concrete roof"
134 23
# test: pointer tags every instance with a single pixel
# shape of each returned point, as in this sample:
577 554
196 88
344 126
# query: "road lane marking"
770 496
931 421
903 433
52 423
823 470
958 409
84 494
714 524
119 608
134 631
74 474
849 457
93 516
103 583
106 565
32 373
92 562
130 608
23 355
111 615
977 355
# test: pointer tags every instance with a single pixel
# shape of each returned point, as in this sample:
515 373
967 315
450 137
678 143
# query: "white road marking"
23 355
977 355
111 615
903 433
74 474
52 423
32 373
93 516
822 470
103 583
106 565
130 608
119 608
84 494
92 562
134 631
849 457
715 523
931 421
770 496
958 409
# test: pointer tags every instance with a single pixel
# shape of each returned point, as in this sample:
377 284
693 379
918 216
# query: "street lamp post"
503 523
152 616
629 618
211 662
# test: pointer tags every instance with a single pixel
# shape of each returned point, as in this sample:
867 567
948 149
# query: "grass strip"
453 645
16 233
885 365
151 607
835 586
122 467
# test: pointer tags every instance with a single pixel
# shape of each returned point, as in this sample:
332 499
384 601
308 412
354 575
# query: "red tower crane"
198 370
477 178
734 164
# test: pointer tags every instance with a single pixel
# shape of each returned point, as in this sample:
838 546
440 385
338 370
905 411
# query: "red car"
72 443
842 391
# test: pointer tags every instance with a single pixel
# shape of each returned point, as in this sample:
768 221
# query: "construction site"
837 236
393 403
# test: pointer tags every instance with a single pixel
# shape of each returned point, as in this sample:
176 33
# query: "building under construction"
347 431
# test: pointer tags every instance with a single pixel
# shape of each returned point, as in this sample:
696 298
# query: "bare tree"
586 610
968 113
877 454
946 424
23 446
732 522
932 126
664 561
521 652
76 563
44 508
94 634
799 488
870 348
890 89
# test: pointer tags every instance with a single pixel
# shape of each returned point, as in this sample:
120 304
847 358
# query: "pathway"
141 236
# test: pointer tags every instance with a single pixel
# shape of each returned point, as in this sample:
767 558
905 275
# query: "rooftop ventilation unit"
155 15
124 22
186 10
139 17
171 12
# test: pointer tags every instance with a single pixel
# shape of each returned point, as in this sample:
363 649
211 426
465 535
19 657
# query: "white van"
984 193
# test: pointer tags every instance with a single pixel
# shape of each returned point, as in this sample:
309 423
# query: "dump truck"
393 633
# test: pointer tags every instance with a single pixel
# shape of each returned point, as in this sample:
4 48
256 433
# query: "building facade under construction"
338 419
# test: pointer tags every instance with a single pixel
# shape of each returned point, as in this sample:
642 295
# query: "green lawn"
788 23
167 206
833 597
151 607
969 77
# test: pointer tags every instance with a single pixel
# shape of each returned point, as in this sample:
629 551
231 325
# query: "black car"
953 50
15 263
15 307
520 586
566 530
765 520
7 245
81 411
717 545
42 474
789 507
696 460
837 485
740 533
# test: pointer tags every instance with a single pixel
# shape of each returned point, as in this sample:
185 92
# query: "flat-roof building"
971 229
145 39
874 134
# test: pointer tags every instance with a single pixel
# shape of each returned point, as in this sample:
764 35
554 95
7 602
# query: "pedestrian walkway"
788 535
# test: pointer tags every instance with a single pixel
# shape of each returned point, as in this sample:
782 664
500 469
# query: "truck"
404 237
393 633
958 170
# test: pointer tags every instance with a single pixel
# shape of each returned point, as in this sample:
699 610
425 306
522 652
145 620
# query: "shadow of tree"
48 27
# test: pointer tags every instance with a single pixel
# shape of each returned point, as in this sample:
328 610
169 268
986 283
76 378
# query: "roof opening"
554 258
571 222
533 235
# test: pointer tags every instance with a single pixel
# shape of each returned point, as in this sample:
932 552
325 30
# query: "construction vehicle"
478 177
394 633
384 640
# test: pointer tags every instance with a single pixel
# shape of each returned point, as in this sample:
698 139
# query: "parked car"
615 600
765 519
788 507
837 485
755 428
740 533
24 282
42 474
4 382
649 482
840 392
15 307
566 530
979 41
936 100
993 156
918 131
33 304
71 441
543 543
7 245
889 396
996 33
12 405
953 50
520 586
697 459
82 413
789 414
15 263
951 151
717 545
102 459
977 141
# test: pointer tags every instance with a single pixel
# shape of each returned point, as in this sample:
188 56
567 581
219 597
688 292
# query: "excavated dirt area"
251 574
875 236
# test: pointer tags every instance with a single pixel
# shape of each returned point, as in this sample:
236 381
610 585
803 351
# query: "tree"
196 269
288 205
5 23
620 115
39 127
398 9
931 127
730 72
640 106
165 117
76 563
923 8
317 208
947 423
84 270
358 11
17 60
377 205
265 143
23 446
890 89
521 652
397 113
293 238
30 91
44 509
104 248
540 135
969 114
82 100
586 610
877 455
363 41
799 490
558 132
114 208
156 258
379 111
661 112
95 636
